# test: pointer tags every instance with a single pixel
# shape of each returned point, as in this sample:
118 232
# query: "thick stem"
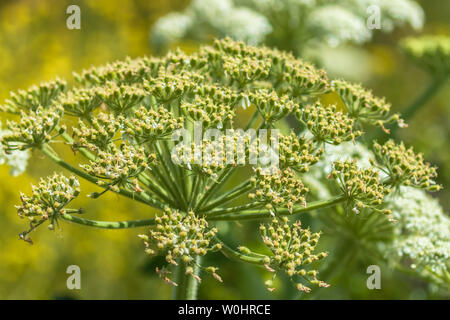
187 286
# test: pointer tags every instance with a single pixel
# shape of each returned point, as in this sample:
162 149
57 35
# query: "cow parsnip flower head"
327 124
171 87
182 237
34 129
147 126
298 153
363 106
120 98
99 134
34 97
121 72
293 250
281 189
430 52
271 107
119 166
209 112
404 167
140 130
362 186
47 201
79 102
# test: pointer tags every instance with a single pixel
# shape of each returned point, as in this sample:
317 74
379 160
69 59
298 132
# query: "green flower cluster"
34 97
209 112
47 201
34 129
361 186
327 124
99 134
147 126
119 166
293 249
404 167
298 153
182 237
363 106
277 190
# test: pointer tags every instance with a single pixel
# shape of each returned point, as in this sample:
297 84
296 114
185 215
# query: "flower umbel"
47 201
183 237
293 249
404 167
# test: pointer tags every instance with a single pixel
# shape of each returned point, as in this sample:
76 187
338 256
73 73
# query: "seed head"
34 97
34 129
363 106
362 186
293 249
405 167
47 201
327 124
278 190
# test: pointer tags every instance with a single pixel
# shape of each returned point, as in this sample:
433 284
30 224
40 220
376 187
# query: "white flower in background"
289 24
345 151
245 25
170 28
422 232
210 11
205 18
338 25
17 160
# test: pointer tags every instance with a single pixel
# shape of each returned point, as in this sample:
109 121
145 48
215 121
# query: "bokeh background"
35 46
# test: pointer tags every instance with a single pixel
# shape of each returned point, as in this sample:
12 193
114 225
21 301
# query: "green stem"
187 286
237 209
242 216
232 254
261 214
216 186
108 224
230 195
